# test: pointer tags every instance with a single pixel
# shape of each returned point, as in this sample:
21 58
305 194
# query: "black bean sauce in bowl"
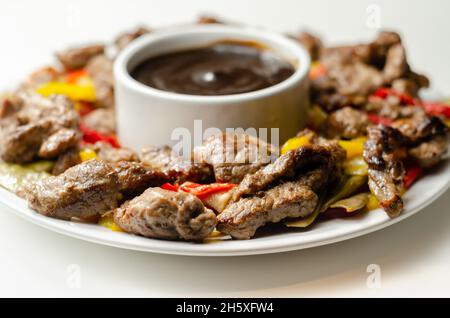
222 68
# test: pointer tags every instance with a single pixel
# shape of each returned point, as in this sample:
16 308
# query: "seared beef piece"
384 187
347 123
100 68
334 101
420 127
40 77
396 65
234 155
288 166
102 120
162 214
311 43
405 86
355 78
353 72
430 153
110 154
178 169
67 160
84 191
126 38
22 144
241 219
383 152
134 178
391 107
58 143
30 121
429 138
76 58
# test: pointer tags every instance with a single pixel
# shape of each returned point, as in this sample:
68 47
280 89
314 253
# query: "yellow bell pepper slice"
373 203
356 167
108 221
87 154
353 147
447 122
73 91
317 116
295 143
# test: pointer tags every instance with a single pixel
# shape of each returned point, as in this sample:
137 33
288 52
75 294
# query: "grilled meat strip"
178 169
163 214
347 123
84 191
90 189
100 69
124 39
34 126
293 199
290 165
286 188
233 156
353 72
383 152
79 57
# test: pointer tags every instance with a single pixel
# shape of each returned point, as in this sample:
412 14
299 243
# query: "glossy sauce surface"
223 68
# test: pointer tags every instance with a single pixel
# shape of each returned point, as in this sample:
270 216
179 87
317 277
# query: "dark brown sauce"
223 68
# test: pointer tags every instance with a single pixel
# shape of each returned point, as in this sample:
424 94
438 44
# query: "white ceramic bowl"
148 116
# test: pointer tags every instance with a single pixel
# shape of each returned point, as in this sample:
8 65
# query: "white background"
414 256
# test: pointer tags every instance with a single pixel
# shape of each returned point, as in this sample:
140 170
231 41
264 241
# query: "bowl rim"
122 75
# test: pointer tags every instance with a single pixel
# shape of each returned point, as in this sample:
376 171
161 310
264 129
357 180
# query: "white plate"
418 197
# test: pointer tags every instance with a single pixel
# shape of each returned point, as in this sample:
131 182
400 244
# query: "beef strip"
134 178
162 214
290 165
429 138
430 153
126 38
421 127
110 154
102 120
67 160
312 43
241 219
396 65
383 152
58 143
79 57
32 125
84 191
347 123
233 156
40 77
178 169
353 72
100 68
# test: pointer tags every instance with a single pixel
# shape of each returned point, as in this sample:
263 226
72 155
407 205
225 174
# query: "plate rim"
268 245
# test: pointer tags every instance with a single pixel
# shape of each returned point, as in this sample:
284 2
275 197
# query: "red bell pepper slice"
170 187
438 109
317 70
85 108
74 76
376 119
204 190
412 174
92 136
385 92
